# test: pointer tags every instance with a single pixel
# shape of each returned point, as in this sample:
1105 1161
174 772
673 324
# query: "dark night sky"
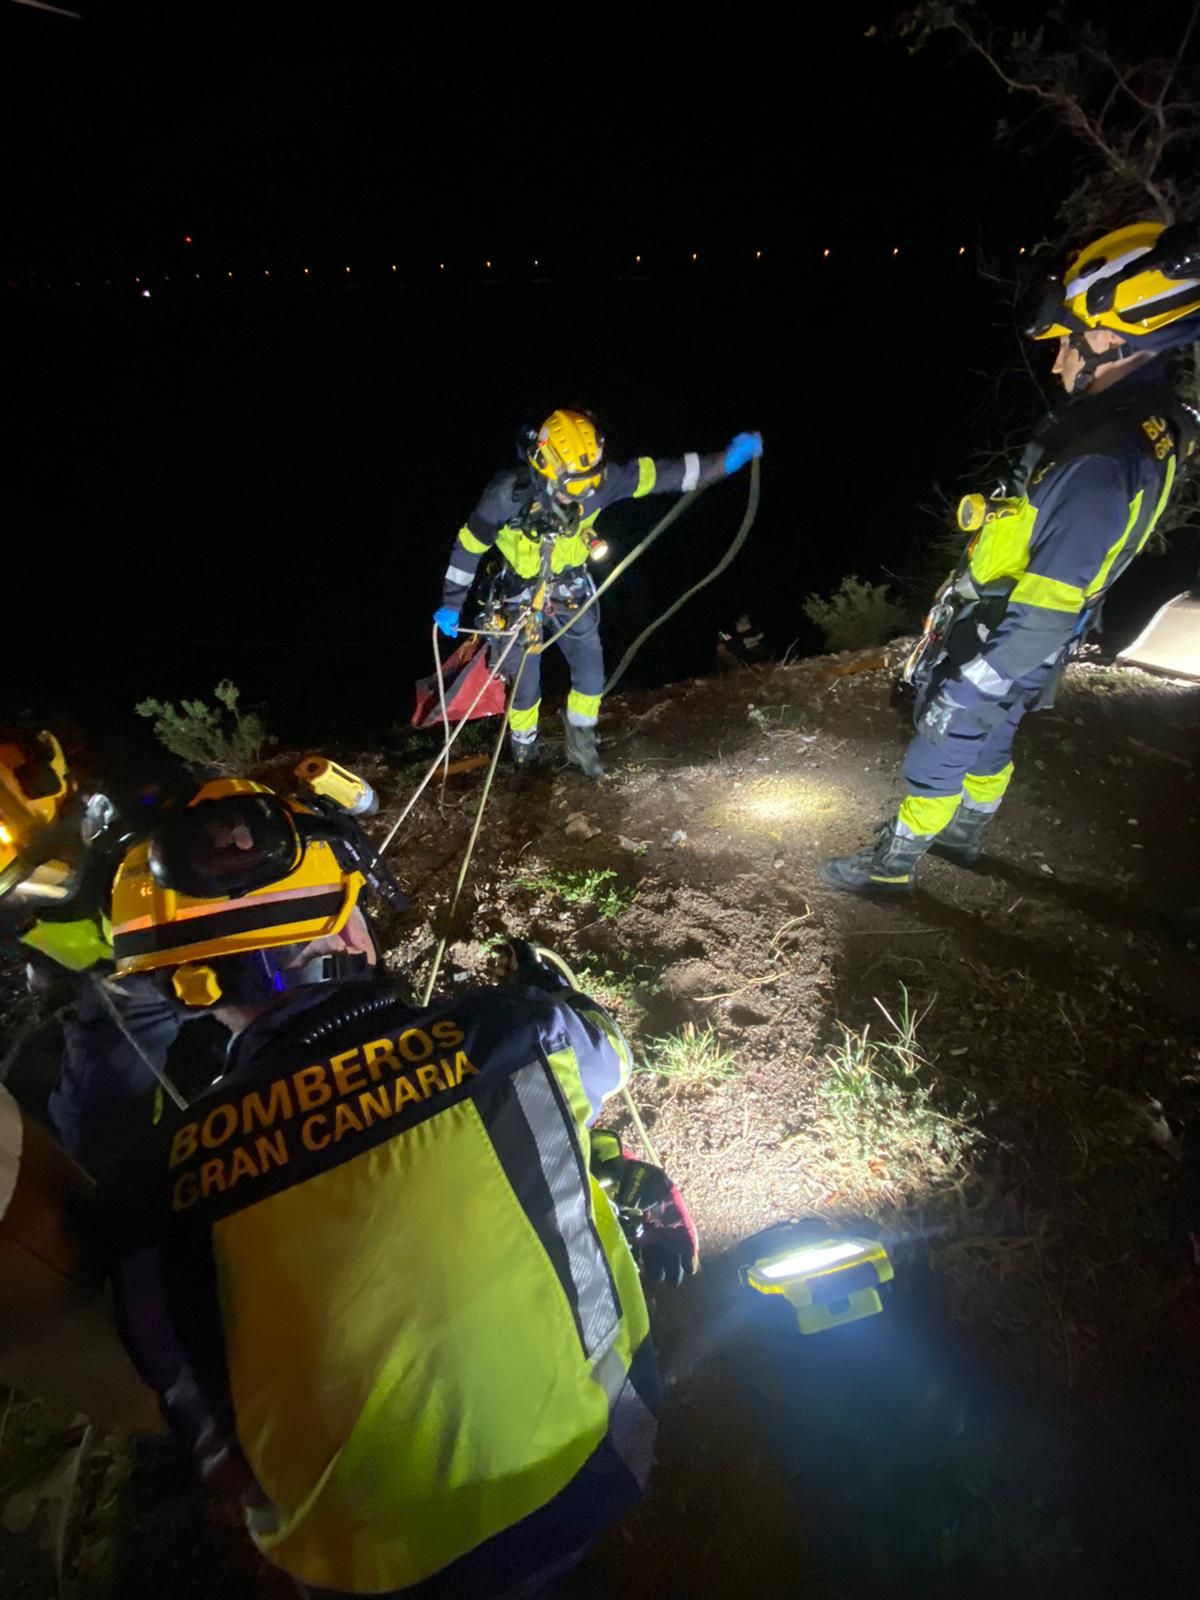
331 130
263 470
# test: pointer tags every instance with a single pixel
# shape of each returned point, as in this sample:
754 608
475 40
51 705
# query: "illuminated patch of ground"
771 806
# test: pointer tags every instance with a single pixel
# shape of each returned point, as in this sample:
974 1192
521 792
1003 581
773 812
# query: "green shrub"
205 736
856 616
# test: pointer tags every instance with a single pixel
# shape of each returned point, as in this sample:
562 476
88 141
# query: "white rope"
438 759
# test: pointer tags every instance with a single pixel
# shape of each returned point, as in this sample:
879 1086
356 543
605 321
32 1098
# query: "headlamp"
828 1282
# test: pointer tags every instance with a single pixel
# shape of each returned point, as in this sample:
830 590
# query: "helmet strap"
1093 360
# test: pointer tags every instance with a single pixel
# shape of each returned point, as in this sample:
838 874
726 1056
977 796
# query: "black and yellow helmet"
568 451
226 889
1140 281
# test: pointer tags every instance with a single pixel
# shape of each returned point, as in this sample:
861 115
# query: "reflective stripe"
923 814
1162 501
984 791
460 575
11 1139
985 677
632 1429
647 477
691 471
583 710
562 1167
1032 589
470 543
523 724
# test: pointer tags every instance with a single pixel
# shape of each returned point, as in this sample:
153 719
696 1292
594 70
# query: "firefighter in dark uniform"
541 517
375 1273
1088 493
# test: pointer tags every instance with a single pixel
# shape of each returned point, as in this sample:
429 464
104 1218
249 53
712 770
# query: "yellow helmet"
35 786
225 885
569 451
1141 281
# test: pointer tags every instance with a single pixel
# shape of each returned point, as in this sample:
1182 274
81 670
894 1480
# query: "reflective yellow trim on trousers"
647 477
983 789
923 814
469 542
583 705
1049 593
524 721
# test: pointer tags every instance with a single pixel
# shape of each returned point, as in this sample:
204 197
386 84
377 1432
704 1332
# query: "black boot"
525 753
887 867
581 749
961 839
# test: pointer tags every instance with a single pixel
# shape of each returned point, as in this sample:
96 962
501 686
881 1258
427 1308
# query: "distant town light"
393 266
758 255
962 249
637 260
347 269
693 255
145 294
1021 251
896 250
306 272
825 252
488 265
266 272
187 238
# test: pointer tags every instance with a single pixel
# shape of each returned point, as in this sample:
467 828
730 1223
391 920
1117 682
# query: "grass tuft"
693 1056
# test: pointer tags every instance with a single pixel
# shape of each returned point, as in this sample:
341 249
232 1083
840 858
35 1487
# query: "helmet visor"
224 848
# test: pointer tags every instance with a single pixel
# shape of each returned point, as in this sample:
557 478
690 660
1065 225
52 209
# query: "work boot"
961 839
887 867
525 753
581 749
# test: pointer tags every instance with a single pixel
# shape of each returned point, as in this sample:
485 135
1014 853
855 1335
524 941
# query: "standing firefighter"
1087 494
541 517
369 1272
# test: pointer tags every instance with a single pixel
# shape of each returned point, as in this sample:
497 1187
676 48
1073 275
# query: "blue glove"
447 620
744 447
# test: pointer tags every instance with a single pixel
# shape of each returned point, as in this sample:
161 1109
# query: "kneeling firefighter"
541 517
369 1272
1085 498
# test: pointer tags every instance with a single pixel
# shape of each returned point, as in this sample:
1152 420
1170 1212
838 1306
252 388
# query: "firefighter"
541 517
1088 493
368 1272
57 856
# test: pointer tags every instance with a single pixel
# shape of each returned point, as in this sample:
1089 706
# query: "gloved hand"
656 1222
742 448
447 620
958 700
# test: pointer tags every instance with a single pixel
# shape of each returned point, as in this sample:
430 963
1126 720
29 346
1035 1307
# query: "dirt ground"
1025 1411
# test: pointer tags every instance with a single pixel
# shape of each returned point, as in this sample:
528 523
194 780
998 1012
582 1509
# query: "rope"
466 860
743 532
437 760
441 678
638 551
164 1082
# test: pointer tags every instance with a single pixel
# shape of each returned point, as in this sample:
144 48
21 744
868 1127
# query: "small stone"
778 862
580 826
679 837
1047 869
1132 821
